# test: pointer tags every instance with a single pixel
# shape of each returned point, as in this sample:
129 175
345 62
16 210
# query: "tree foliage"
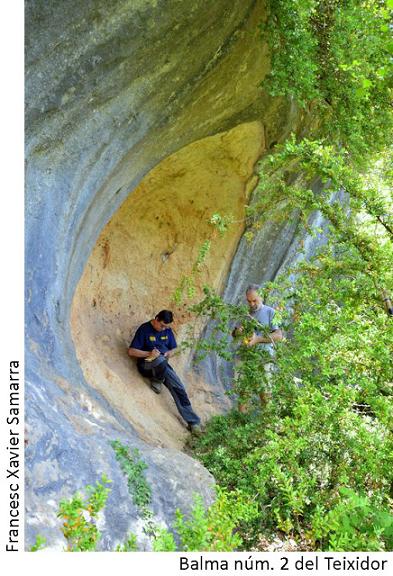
335 55
318 460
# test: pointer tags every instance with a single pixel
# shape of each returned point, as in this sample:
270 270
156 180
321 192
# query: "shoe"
195 429
156 386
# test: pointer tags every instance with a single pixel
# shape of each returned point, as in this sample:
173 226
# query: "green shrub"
355 523
130 545
133 468
39 543
212 530
79 515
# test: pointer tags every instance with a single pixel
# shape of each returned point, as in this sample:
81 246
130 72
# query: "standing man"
153 344
265 316
263 338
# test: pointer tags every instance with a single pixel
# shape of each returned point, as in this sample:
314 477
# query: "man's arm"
170 353
135 353
274 336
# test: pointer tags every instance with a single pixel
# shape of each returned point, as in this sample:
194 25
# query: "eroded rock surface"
113 89
149 244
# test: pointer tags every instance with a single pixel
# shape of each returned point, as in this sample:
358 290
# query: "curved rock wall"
112 89
125 85
142 253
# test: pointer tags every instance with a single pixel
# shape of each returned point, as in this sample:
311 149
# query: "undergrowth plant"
204 529
39 543
354 523
212 530
80 515
130 545
133 468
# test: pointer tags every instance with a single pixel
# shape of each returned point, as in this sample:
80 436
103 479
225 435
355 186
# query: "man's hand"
253 340
237 331
271 338
170 353
154 353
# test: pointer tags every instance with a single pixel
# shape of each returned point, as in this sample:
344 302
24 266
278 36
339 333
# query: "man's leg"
158 377
266 396
179 394
242 401
155 374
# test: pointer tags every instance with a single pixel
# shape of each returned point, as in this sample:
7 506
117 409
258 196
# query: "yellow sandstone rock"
137 263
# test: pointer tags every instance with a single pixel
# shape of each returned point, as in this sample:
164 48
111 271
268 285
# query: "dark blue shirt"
146 338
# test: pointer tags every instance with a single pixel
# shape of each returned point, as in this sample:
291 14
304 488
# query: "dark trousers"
166 374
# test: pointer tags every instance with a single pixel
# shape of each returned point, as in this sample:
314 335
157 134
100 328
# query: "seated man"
153 344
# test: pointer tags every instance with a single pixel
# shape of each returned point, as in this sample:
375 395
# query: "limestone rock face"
113 89
69 435
149 244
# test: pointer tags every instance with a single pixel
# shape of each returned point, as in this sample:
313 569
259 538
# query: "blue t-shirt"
146 338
